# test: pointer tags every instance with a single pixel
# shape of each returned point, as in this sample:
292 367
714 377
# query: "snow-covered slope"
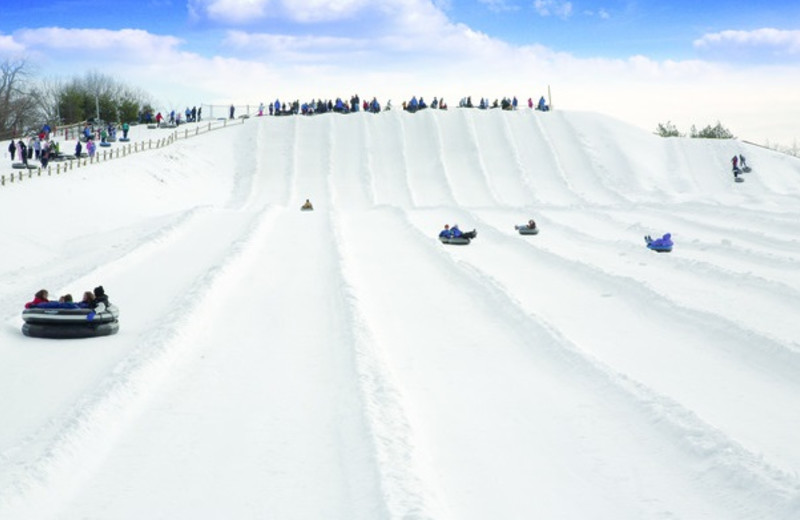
342 363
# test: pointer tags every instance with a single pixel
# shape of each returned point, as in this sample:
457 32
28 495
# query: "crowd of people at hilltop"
41 147
356 104
173 117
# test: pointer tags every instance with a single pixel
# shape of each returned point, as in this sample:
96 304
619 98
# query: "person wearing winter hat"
100 302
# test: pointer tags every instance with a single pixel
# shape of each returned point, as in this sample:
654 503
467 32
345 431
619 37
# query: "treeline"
27 104
717 131
720 132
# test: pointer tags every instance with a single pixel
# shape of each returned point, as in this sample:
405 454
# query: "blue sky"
636 52
607 28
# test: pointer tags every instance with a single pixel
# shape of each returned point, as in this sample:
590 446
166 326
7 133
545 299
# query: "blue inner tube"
69 323
458 241
69 316
525 230
75 331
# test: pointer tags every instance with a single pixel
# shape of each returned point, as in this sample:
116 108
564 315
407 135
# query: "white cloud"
602 14
779 41
304 11
127 42
10 46
553 8
499 5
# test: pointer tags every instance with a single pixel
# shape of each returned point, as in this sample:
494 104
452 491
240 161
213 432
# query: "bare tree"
47 96
18 109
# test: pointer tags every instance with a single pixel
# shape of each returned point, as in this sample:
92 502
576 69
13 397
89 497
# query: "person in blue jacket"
663 243
339 106
446 233
457 233
542 105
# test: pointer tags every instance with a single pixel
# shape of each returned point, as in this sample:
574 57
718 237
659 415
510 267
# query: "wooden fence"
121 149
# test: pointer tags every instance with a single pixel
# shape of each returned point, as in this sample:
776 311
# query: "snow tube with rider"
458 241
525 230
660 245
69 322
456 237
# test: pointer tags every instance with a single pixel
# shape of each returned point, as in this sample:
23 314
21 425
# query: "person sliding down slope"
663 244
457 233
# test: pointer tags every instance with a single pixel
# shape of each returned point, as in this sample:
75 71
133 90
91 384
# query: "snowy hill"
342 363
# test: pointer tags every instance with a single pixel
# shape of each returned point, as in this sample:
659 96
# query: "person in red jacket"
39 297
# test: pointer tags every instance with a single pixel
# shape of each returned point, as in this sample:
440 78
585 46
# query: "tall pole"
97 109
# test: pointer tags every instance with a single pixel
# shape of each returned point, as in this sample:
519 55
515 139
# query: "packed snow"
342 363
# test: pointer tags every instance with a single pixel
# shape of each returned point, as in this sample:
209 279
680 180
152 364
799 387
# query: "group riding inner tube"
525 230
461 239
70 322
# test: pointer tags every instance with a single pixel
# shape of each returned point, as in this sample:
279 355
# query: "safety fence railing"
121 149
